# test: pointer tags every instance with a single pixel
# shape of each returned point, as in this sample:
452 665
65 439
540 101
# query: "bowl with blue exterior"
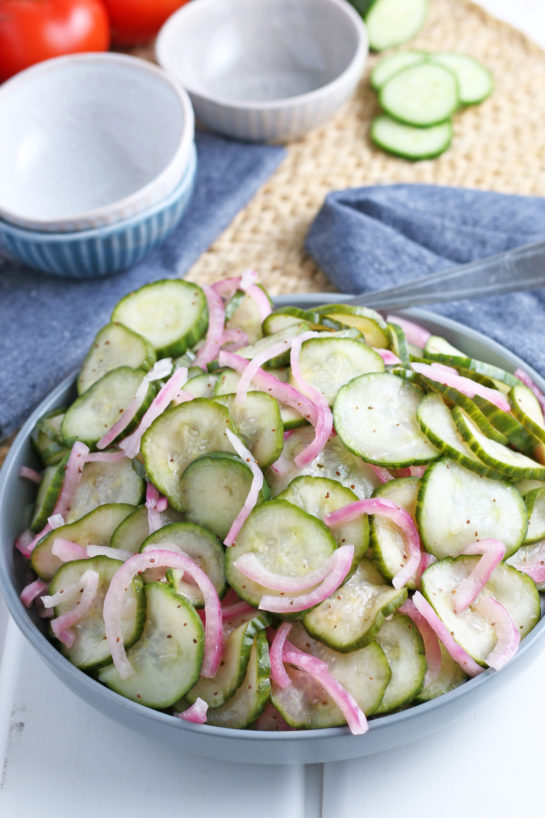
89 140
102 250
268 70
249 746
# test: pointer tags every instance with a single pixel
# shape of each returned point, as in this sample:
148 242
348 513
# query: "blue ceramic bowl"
103 250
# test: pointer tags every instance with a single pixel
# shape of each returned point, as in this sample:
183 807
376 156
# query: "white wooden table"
59 757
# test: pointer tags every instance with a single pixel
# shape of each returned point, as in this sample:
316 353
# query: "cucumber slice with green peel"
409 141
527 410
287 540
282 337
471 508
513 589
507 425
167 658
90 649
243 313
364 673
437 345
372 326
171 314
237 648
106 482
335 462
114 346
398 342
535 506
285 317
401 642
387 540
437 423
227 385
353 615
177 437
96 528
228 478
50 424
450 675
201 545
46 437
375 417
393 22
422 95
134 529
392 63
326 364
259 422
249 699
527 557
48 491
513 465
201 386
459 361
475 82
96 411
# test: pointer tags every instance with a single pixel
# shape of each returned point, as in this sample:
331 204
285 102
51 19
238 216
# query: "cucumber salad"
283 519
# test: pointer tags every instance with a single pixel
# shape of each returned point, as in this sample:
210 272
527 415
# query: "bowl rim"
177 163
166 39
106 230
62 666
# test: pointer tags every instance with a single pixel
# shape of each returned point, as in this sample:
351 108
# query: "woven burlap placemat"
499 145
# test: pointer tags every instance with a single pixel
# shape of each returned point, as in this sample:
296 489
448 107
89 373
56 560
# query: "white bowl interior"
82 135
249 51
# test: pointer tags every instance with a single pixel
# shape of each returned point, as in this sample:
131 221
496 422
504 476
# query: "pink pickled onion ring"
432 648
216 320
527 381
444 635
253 366
131 444
352 712
226 287
162 558
196 713
492 551
72 475
399 516
30 474
507 633
25 539
341 563
236 338
60 626
414 333
324 416
383 474
154 505
464 385
278 672
532 565
106 551
255 487
258 296
68 550
31 591
387 356
253 568
105 457
236 609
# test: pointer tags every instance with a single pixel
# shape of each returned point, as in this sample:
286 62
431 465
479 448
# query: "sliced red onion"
88 586
432 648
216 320
352 712
260 299
253 366
196 713
341 564
255 487
105 457
72 475
106 551
68 550
247 278
387 356
464 385
324 416
24 541
414 333
162 558
161 369
527 381
532 562
278 672
171 391
493 551
417 471
383 474
505 628
252 567
236 609
444 635
236 338
155 504
226 287
31 591
30 474
399 516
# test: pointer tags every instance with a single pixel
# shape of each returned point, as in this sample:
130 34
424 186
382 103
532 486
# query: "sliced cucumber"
401 642
410 141
259 421
387 540
133 530
282 338
535 505
527 410
450 675
242 313
392 22
46 437
287 540
371 325
398 342
423 94
507 424
353 615
392 63
475 82
456 507
114 346
167 658
177 437
48 491
90 650
103 482
201 386
375 417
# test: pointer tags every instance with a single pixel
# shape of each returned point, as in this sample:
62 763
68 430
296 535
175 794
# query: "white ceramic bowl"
89 140
265 70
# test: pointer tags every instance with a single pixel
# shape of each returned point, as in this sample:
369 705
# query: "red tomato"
136 21
35 30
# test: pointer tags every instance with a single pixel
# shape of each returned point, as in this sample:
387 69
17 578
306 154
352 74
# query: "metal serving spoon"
520 269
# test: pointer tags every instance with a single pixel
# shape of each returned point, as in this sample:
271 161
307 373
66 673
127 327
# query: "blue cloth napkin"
47 323
371 238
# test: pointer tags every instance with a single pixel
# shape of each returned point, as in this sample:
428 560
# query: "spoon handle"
514 270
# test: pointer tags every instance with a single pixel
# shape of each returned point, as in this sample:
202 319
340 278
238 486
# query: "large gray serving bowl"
250 746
